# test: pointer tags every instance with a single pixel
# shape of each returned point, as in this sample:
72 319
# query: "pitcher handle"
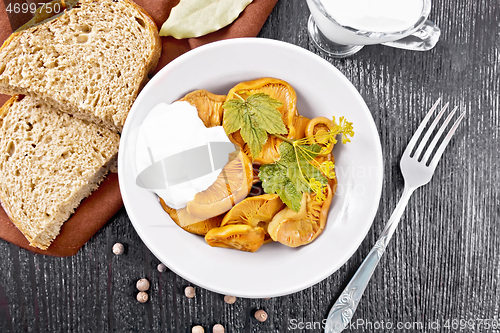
423 39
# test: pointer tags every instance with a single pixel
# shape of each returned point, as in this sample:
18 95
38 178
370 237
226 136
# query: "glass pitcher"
340 29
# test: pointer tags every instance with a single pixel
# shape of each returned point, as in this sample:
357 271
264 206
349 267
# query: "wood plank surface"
441 268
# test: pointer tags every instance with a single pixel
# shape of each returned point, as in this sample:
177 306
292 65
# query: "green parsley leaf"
289 176
256 117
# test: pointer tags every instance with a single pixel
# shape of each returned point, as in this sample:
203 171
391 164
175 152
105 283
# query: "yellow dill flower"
317 188
328 169
345 128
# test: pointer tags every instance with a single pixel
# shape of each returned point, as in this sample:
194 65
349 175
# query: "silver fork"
416 172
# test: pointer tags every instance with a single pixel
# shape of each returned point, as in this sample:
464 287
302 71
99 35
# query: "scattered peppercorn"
189 292
197 329
161 268
118 249
229 299
142 285
261 315
218 328
142 296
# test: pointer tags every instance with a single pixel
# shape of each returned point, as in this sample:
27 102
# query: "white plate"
275 269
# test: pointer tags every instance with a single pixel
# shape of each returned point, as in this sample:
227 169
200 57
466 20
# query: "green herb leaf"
289 176
233 117
256 117
275 180
263 110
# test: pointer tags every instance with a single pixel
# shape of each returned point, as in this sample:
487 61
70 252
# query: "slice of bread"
91 60
49 162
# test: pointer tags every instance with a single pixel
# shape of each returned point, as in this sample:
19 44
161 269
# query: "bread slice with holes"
49 162
90 60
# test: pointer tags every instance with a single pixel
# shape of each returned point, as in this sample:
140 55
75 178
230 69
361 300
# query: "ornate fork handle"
417 171
343 310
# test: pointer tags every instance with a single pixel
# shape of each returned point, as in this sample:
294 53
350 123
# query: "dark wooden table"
442 268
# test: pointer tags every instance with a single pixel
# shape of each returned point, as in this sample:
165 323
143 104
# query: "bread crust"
157 46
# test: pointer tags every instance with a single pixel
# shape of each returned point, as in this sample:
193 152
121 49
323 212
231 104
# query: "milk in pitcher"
362 22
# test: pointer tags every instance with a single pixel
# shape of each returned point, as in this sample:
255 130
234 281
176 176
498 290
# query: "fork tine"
438 135
422 144
420 129
445 142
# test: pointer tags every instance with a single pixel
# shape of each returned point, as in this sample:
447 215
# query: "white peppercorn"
189 292
229 299
142 296
161 268
197 329
118 249
261 315
218 328
142 285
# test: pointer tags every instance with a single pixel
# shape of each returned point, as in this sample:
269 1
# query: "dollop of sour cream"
175 155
